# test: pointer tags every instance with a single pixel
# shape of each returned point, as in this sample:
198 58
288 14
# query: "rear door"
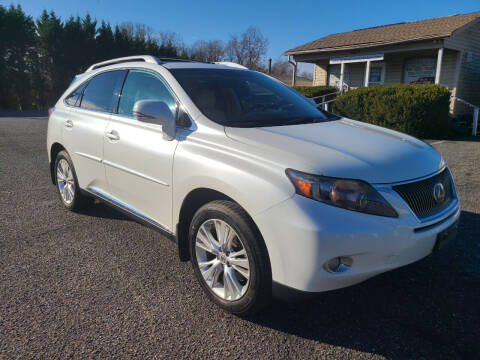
91 105
138 160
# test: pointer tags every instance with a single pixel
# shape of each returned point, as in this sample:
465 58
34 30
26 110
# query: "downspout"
294 70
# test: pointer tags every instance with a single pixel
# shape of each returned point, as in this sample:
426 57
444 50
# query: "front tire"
67 183
229 258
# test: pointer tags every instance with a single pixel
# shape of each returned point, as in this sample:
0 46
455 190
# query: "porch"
434 65
417 63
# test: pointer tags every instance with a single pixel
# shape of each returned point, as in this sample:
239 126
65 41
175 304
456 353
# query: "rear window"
75 97
102 91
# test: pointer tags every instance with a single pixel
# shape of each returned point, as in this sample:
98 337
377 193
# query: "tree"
51 64
208 51
306 74
281 68
248 49
104 42
17 43
38 59
138 31
166 37
128 29
143 32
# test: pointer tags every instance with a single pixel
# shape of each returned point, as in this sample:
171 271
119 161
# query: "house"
443 50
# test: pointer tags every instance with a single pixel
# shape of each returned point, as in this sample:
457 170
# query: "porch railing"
475 113
322 102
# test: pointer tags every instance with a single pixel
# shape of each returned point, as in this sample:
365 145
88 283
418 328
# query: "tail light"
50 111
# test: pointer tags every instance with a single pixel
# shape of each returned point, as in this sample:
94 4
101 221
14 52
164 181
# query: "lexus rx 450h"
264 193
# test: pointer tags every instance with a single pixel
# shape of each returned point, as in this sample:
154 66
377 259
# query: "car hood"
342 148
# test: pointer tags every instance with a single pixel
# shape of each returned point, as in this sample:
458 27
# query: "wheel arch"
193 201
54 150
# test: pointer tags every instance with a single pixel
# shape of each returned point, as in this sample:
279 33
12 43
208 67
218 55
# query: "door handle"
68 123
112 135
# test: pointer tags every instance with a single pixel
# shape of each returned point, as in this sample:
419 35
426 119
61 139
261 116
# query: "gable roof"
439 27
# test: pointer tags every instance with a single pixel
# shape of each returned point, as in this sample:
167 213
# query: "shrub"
312 91
420 110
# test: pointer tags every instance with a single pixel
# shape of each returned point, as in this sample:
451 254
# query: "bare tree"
137 30
306 74
281 68
247 49
208 51
143 31
128 27
172 38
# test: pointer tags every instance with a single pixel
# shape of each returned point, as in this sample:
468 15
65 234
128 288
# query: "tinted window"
102 91
245 98
76 96
142 85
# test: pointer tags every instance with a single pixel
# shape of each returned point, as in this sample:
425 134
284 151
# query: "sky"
286 24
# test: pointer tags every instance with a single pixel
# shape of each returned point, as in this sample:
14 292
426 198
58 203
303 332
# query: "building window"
420 70
334 75
377 73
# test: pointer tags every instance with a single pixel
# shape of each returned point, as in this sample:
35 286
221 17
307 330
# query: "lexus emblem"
439 192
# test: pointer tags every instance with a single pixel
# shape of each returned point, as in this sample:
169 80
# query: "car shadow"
101 210
429 309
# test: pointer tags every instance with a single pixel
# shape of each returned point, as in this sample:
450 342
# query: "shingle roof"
439 27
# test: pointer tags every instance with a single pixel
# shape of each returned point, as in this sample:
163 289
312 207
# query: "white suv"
263 192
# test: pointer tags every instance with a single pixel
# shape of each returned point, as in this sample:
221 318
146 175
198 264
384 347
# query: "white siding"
467 40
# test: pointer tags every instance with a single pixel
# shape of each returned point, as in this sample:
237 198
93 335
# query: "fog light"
338 264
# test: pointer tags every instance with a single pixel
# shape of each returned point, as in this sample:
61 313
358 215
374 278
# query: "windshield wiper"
253 123
303 120
268 123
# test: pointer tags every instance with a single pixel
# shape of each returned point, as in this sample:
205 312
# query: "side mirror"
156 112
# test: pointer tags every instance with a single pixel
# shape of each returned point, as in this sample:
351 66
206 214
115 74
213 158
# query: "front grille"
419 195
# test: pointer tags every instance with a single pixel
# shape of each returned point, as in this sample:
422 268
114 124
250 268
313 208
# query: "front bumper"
302 235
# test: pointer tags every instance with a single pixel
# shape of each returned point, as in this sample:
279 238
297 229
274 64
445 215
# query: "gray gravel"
99 285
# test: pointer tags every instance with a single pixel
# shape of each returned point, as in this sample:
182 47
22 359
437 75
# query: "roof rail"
145 58
175 59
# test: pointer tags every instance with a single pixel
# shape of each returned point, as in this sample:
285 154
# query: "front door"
138 160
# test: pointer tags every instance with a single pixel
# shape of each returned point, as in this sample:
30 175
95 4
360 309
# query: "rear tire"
67 183
234 268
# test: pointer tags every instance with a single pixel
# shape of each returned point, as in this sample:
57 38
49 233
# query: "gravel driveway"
99 285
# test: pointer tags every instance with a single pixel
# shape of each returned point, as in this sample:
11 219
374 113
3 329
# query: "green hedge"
312 91
420 110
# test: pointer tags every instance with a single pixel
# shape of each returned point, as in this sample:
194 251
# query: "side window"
142 85
102 91
75 97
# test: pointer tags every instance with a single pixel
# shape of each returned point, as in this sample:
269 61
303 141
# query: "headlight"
353 195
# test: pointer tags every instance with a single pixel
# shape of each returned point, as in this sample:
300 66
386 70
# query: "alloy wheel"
222 259
65 181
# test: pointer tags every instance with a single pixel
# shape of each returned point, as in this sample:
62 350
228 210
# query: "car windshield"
240 98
